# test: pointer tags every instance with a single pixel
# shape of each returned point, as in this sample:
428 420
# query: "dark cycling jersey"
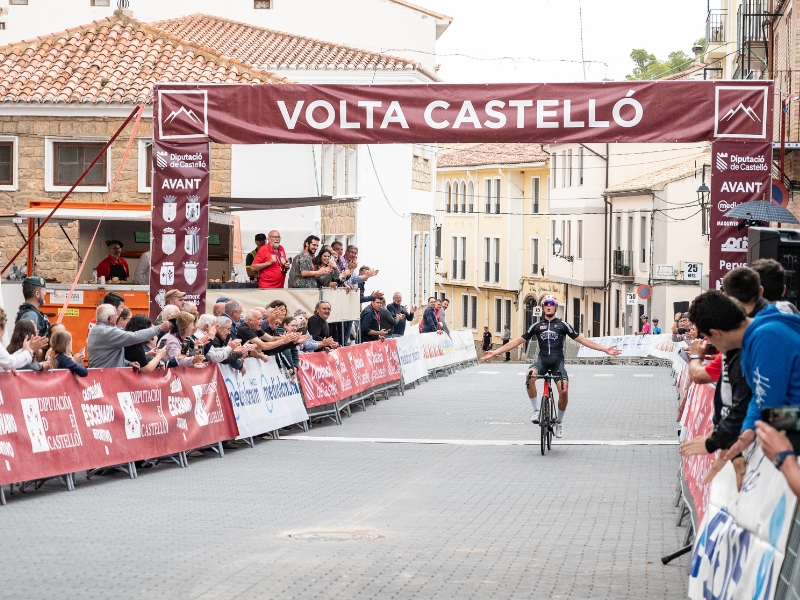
550 335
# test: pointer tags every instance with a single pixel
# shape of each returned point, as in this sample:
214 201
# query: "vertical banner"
740 172
179 230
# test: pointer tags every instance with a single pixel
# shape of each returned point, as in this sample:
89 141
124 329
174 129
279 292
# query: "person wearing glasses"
550 333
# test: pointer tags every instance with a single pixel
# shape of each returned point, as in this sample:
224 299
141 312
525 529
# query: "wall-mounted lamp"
557 251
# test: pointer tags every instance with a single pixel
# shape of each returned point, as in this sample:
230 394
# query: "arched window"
462 196
470 197
448 192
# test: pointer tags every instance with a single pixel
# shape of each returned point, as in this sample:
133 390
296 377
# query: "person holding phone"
179 345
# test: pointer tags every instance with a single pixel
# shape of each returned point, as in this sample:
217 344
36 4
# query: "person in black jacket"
318 327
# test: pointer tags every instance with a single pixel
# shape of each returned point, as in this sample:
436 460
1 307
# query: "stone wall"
55 258
339 219
421 173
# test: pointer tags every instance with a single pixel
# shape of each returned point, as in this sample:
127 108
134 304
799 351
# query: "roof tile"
474 155
656 180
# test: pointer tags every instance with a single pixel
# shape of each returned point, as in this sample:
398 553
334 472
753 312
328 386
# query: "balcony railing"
716 24
750 20
623 263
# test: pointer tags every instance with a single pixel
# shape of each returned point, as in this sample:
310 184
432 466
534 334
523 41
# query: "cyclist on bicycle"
550 332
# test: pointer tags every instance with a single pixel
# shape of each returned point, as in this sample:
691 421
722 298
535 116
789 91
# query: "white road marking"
487 372
603 374
642 374
307 438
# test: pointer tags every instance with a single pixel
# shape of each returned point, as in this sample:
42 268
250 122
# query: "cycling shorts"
552 365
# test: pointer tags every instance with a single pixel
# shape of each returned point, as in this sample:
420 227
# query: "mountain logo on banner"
722 161
734 245
168 241
190 272
191 241
161 159
193 208
741 112
183 114
169 209
167 275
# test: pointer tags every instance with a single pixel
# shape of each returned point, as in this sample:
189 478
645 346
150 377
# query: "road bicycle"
547 410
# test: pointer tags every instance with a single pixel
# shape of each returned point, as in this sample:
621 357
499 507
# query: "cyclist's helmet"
548 299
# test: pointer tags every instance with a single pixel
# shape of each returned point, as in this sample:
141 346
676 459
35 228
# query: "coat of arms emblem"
191 243
193 208
168 241
133 419
170 208
167 273
190 272
160 298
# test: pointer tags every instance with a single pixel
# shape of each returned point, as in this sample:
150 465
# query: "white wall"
369 24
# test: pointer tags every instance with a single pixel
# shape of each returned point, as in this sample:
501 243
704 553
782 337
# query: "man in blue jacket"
430 322
399 312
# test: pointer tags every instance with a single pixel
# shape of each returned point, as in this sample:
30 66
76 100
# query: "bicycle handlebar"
548 376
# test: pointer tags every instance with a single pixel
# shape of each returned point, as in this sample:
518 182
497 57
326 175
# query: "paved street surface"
479 516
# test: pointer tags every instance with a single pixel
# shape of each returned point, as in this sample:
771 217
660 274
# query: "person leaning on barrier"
147 355
372 329
223 338
218 309
250 332
723 322
180 345
318 327
302 273
106 343
233 312
430 322
24 355
401 313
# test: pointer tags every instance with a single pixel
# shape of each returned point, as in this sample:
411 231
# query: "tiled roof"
273 50
693 68
656 180
473 155
113 61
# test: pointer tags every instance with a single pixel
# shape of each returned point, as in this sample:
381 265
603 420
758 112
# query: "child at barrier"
61 345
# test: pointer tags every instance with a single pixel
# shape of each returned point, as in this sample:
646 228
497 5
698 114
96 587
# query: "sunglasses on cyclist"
548 303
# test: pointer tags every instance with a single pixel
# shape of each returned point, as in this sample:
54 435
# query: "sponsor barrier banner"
698 415
741 543
343 371
317 379
54 423
739 173
412 358
265 399
375 363
179 228
629 111
432 350
660 346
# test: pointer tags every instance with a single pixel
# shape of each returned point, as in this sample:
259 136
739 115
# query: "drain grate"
335 536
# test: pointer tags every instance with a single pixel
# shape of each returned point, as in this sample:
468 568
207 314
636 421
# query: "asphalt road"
441 493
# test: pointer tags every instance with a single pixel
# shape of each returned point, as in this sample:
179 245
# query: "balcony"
623 263
751 39
716 27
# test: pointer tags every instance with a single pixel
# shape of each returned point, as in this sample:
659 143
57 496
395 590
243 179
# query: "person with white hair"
106 343
207 327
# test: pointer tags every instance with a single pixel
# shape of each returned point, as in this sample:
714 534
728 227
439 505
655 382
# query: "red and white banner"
627 111
179 229
317 379
54 423
698 414
739 173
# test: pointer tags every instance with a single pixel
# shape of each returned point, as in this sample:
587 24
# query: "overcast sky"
549 30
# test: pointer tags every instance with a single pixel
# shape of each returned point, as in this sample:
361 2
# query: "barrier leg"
689 534
684 511
220 449
670 557
678 492
2 496
132 473
70 482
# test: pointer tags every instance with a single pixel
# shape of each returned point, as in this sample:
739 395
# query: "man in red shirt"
114 265
271 263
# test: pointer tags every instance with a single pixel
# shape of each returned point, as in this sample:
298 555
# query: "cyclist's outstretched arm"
506 348
610 350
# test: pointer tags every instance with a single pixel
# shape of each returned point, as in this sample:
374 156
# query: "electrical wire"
380 185
580 18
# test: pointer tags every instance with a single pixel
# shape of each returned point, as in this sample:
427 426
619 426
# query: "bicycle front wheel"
544 421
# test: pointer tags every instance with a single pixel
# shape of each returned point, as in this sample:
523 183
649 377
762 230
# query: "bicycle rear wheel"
544 421
551 419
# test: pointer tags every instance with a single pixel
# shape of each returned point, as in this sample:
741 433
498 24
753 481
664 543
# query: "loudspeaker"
784 246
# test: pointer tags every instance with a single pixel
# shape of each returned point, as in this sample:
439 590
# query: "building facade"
492 235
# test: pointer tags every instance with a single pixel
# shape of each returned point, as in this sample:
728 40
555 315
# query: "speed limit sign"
692 271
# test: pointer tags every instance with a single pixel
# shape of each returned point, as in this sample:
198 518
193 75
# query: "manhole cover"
335 536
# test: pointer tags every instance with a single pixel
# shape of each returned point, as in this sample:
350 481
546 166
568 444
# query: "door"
576 314
530 304
641 312
595 319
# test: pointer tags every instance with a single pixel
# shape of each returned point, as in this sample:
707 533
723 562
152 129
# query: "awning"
237 204
89 214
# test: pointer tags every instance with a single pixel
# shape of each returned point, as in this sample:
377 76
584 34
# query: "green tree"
647 66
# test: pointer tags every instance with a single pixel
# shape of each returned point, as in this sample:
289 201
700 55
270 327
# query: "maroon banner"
317 380
359 367
700 412
53 423
393 367
740 172
345 380
179 230
628 111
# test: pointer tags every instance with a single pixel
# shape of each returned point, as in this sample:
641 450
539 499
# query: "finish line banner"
53 423
264 399
628 111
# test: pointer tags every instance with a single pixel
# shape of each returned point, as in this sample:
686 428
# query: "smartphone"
186 346
783 418
162 343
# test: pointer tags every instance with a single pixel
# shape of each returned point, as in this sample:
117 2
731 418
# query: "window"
464 310
492 187
415 271
438 241
2 25
498 315
458 258
497 260
553 235
25 2
448 196
564 169
535 195
535 256
569 168
508 314
618 235
70 160
564 238
474 314
643 240
568 240
263 4
553 169
463 258
454 258
470 197
630 233
576 315
145 166
580 165
617 303
426 263
580 239
469 311
462 197
487 258
7 161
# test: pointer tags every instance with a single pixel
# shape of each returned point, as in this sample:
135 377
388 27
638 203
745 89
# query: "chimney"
698 50
123 9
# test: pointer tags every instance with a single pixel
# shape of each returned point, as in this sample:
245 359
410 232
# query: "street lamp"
557 251
703 195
